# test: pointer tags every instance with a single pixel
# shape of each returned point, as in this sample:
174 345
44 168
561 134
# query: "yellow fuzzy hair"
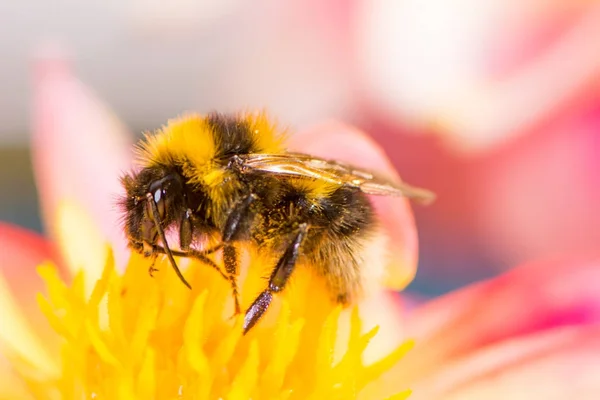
314 189
269 138
188 141
185 139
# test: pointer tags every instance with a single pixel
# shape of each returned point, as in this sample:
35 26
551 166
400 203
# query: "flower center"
139 337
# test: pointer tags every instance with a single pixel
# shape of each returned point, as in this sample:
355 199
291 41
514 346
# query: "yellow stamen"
138 337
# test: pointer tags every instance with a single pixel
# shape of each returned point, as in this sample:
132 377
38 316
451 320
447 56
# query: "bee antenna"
161 233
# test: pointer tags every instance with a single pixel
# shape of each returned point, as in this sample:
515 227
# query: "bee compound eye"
158 191
159 199
166 193
158 194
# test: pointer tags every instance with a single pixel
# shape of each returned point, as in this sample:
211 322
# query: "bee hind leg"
161 234
277 281
230 260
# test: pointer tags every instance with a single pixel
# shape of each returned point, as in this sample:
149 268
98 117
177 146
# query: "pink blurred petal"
561 363
80 150
530 299
514 105
22 251
500 327
540 196
481 72
334 140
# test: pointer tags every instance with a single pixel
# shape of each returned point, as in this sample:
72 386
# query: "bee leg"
233 227
236 218
163 238
277 281
186 235
186 231
193 254
230 259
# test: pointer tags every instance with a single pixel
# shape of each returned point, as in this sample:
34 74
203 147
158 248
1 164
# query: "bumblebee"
228 180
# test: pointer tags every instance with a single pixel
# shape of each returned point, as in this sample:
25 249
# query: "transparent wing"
297 164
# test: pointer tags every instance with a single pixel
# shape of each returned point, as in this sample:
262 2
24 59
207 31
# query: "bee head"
154 197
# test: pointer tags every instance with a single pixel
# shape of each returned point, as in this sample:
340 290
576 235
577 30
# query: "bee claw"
237 311
152 270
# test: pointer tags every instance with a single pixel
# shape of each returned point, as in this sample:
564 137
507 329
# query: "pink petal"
558 163
512 323
504 107
528 300
334 140
459 87
558 364
80 150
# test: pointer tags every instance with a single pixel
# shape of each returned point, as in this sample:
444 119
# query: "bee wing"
297 164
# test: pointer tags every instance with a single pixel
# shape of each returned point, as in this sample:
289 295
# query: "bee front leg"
148 251
161 234
186 235
186 231
192 254
277 281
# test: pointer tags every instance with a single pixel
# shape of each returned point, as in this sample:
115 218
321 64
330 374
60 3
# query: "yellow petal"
82 244
400 396
17 336
246 378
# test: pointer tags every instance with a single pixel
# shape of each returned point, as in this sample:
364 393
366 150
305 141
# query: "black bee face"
154 197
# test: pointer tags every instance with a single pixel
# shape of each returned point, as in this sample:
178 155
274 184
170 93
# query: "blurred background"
494 105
